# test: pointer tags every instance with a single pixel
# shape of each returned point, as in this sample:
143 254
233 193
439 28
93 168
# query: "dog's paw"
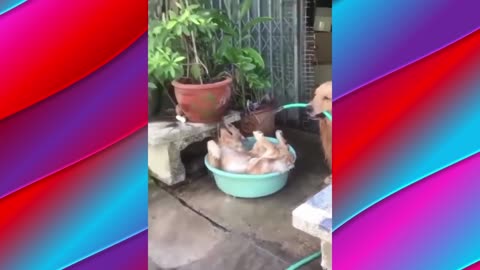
214 149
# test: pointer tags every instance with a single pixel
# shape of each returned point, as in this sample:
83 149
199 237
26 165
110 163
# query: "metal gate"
287 45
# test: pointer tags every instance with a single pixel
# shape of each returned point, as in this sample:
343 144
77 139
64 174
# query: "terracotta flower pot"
203 103
262 120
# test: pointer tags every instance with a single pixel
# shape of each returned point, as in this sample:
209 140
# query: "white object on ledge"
182 119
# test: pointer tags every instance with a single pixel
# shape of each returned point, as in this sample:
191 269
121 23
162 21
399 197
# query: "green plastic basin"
247 185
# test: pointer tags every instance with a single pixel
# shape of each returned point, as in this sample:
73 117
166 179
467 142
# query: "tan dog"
268 157
322 101
230 155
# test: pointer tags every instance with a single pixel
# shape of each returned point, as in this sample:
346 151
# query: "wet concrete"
196 226
177 236
238 253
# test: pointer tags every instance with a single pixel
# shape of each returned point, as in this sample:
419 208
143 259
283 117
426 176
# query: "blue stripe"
7 5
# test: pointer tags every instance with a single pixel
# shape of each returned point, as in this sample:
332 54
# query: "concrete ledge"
166 139
315 215
315 218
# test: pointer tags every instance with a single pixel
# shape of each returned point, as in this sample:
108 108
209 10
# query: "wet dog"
322 101
230 154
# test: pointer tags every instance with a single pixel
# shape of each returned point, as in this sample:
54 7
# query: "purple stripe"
432 224
129 254
373 40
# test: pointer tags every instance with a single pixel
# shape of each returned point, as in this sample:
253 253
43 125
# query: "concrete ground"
195 226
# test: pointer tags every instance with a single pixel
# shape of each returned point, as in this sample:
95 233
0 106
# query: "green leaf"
231 54
184 16
242 58
246 5
156 30
162 62
248 26
179 59
172 72
152 86
178 30
247 66
196 71
194 20
171 24
225 24
255 56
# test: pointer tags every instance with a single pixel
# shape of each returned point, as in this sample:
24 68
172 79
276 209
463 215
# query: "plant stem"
194 42
185 43
197 60
242 86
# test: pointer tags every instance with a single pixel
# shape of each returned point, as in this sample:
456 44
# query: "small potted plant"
247 67
179 54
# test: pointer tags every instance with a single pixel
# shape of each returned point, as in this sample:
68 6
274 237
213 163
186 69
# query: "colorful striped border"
73 115
406 147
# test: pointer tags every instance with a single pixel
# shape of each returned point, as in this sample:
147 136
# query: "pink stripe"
393 235
405 65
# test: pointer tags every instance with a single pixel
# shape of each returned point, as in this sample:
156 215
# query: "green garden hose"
304 261
302 105
294 105
328 115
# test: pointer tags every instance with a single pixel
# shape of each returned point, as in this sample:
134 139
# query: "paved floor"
195 226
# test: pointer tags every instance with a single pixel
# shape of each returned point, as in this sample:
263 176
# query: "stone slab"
315 215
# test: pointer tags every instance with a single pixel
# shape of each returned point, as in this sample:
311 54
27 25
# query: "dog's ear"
235 132
324 89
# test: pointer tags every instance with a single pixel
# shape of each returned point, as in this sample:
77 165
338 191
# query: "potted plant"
247 67
178 54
